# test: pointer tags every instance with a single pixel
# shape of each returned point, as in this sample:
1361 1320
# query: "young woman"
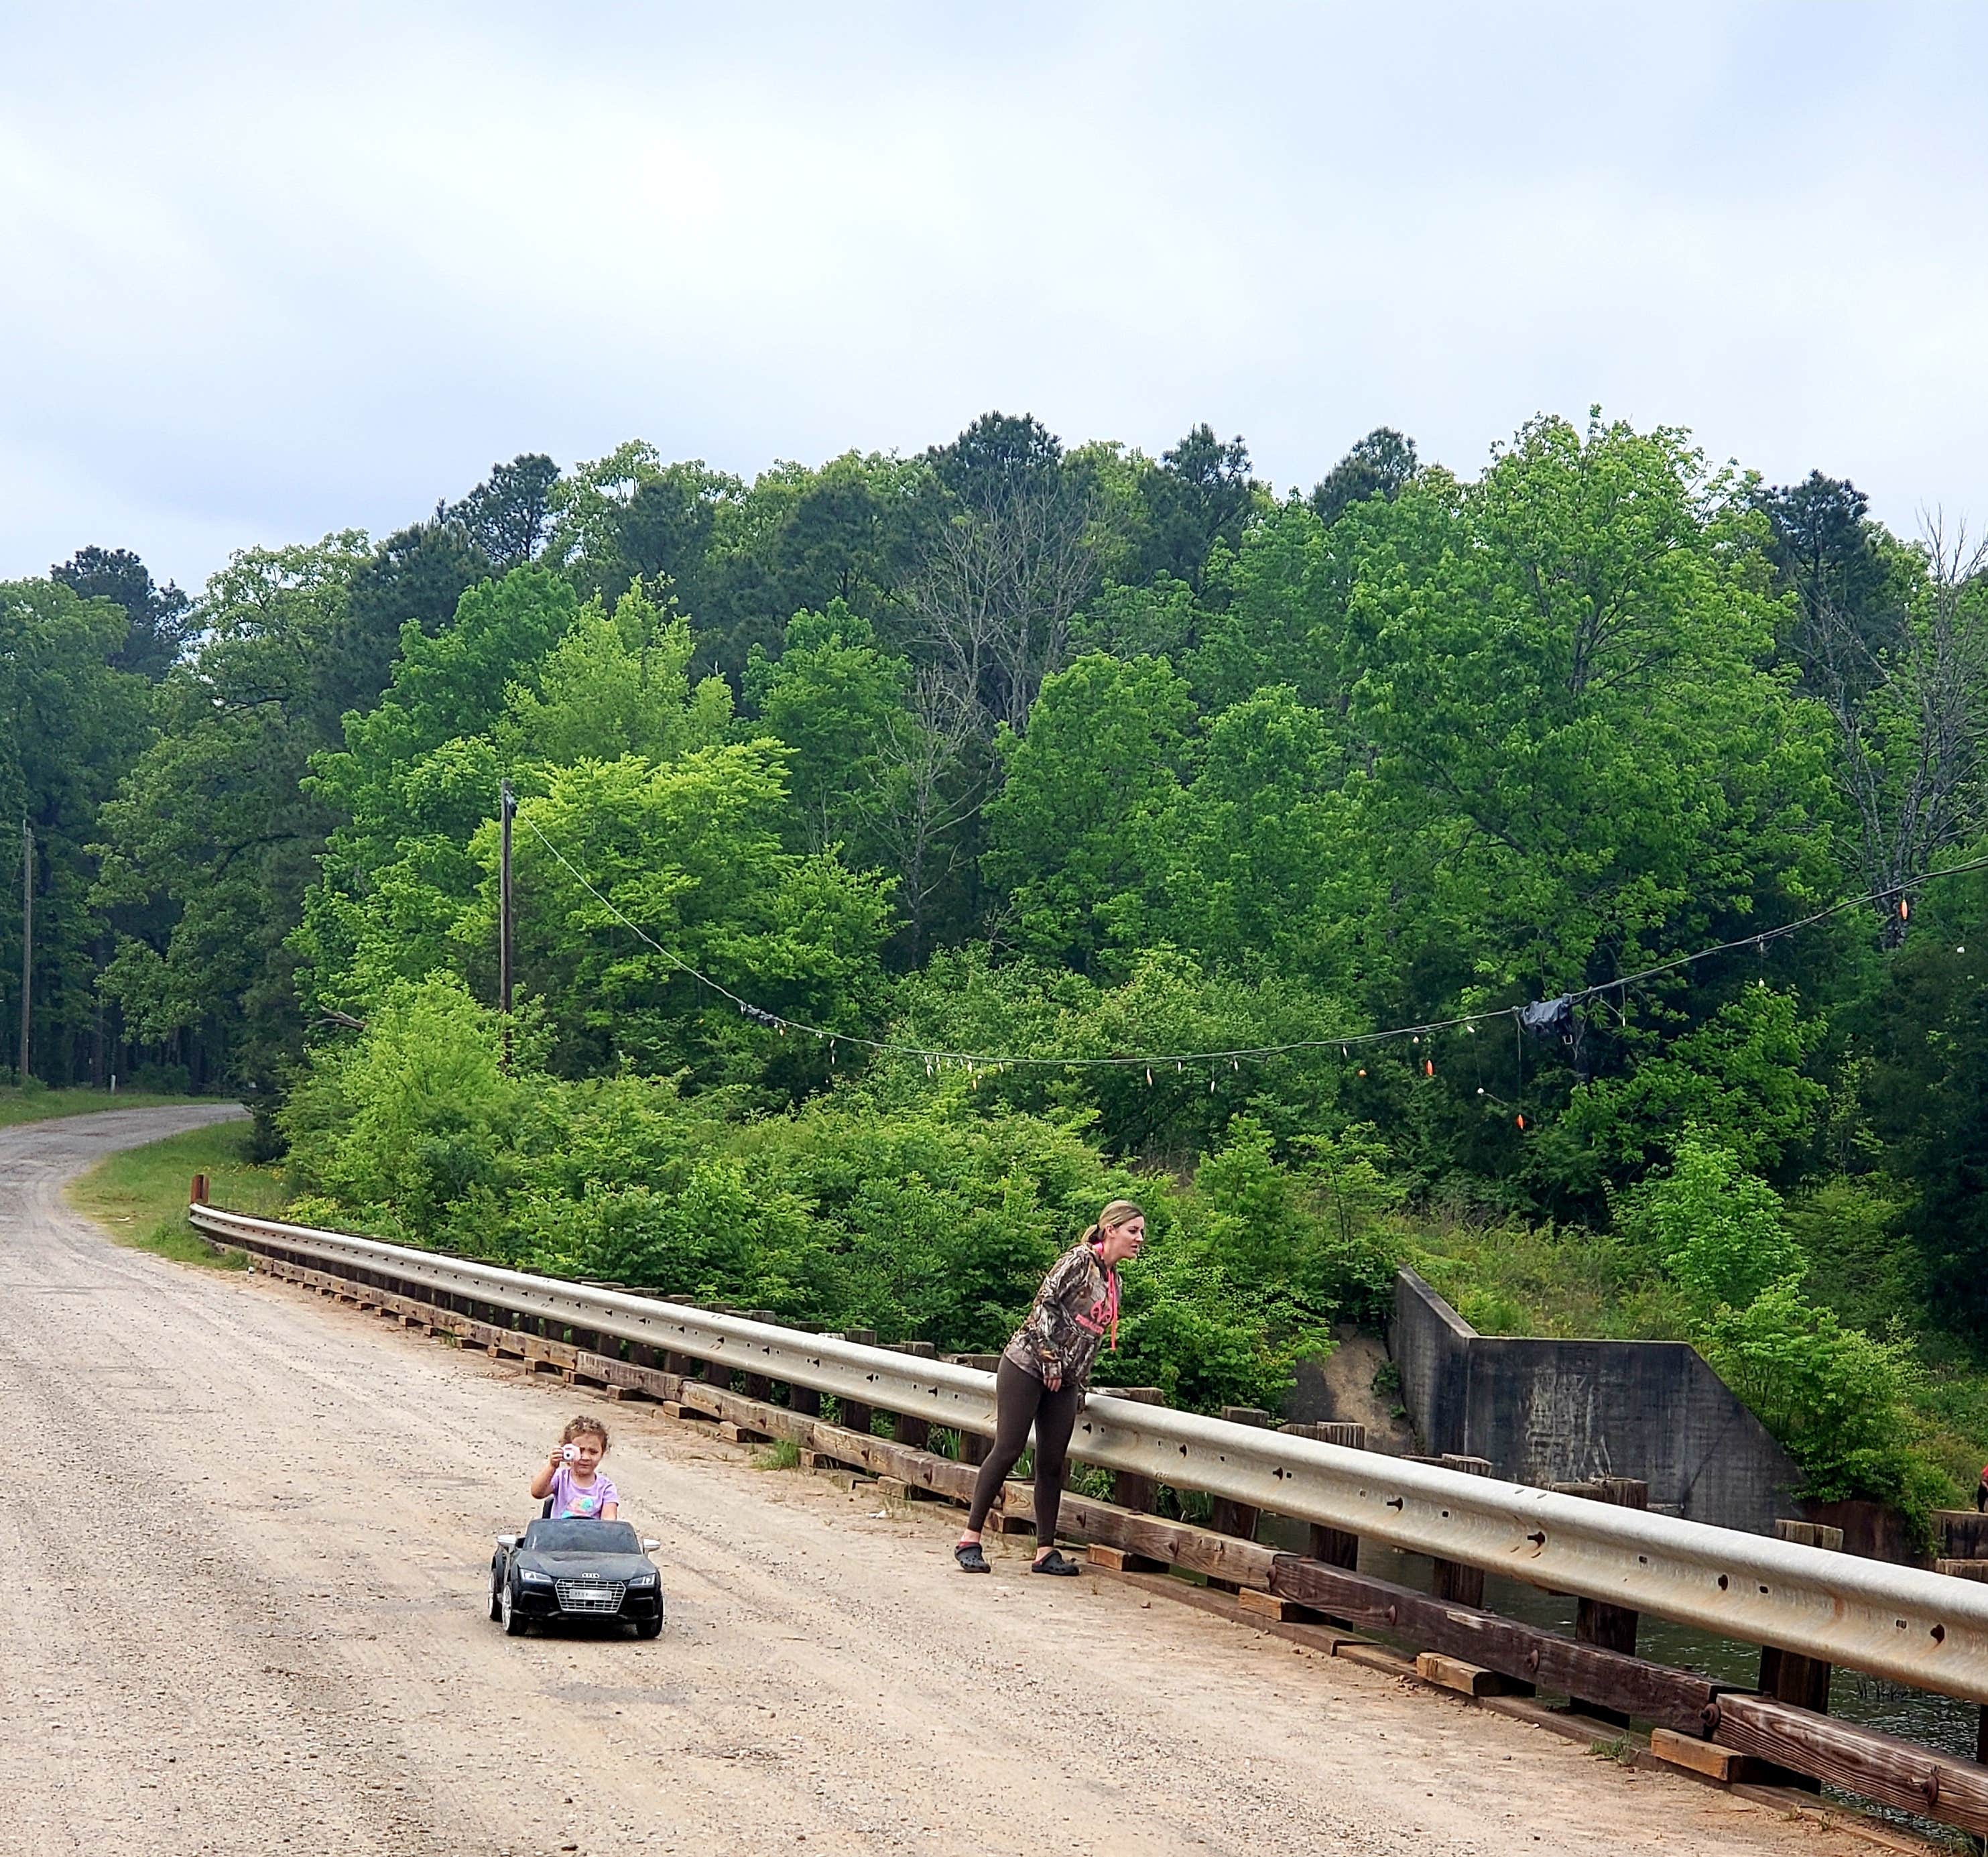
1043 1377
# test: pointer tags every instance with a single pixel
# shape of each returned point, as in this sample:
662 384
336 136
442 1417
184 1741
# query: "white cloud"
271 277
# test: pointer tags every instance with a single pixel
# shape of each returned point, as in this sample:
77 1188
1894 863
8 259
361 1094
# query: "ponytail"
1120 1211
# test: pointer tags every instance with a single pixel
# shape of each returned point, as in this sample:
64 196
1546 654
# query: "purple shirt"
570 1498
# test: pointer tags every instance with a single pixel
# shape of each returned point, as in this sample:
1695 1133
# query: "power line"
1234 1055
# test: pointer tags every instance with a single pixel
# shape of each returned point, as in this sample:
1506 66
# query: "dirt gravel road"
243 1559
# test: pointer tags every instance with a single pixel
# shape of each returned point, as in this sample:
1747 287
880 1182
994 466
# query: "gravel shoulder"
245 1561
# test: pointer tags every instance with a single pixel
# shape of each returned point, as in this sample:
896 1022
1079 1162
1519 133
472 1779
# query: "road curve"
241 1579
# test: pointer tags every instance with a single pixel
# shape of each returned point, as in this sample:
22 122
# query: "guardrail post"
857 1417
916 1432
1238 1519
1129 1490
1612 1627
1333 1546
1449 1580
685 1366
973 1448
804 1400
757 1385
1785 1676
196 1192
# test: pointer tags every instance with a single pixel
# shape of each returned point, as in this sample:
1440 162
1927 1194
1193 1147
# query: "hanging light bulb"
1521 1121
1428 1067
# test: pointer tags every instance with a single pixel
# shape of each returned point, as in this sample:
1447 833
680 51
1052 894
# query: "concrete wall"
1545 1411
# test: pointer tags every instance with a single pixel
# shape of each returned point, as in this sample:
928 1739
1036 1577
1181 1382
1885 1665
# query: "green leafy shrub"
1840 1401
1717 1229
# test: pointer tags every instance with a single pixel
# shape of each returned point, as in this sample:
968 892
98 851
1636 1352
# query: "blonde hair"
592 1427
1120 1211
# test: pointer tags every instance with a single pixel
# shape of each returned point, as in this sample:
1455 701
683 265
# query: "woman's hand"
1052 1379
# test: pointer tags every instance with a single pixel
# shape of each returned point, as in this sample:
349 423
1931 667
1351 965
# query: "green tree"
1383 464
156 617
690 851
1719 1232
212 841
70 725
1076 835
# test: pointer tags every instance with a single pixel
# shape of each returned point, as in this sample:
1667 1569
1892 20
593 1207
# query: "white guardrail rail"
1927 1630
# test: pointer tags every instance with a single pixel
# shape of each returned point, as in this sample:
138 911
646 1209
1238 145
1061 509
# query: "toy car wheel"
514 1621
496 1596
648 1628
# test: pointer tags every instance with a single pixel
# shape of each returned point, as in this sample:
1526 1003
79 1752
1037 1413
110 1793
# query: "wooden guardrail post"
196 1192
1785 1676
685 1366
916 1432
973 1448
1450 1580
857 1417
1612 1627
1333 1546
1129 1490
1228 1517
804 1400
759 1385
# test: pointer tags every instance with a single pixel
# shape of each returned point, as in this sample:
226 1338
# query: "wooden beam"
1672 1698
1879 1767
1465 1679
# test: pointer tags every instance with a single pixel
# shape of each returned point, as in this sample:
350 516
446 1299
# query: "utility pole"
27 940
506 806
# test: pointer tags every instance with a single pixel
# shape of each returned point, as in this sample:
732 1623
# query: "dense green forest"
1010 752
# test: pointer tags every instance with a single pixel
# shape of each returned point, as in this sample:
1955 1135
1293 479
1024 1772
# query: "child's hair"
582 1423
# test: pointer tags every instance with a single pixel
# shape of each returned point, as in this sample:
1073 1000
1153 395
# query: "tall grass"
140 1196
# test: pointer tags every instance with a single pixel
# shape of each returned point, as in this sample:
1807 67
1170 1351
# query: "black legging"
1021 1400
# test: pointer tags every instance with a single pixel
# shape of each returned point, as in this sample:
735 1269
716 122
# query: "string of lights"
935 1058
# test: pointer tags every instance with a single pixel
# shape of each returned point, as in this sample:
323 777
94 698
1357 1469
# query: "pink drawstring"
1111 1309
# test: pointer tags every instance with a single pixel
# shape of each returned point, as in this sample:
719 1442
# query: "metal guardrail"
1922 1629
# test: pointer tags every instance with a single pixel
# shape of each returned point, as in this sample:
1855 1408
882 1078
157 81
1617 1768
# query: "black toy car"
575 1568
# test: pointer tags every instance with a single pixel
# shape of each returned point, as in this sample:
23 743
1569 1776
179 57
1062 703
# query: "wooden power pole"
506 806
27 941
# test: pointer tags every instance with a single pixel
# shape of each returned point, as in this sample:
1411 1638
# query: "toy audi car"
575 1568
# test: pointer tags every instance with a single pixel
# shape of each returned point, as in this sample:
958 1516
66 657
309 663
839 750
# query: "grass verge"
140 1196
44 1105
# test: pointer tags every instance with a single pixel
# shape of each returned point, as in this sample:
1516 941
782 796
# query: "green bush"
1717 1229
1840 1401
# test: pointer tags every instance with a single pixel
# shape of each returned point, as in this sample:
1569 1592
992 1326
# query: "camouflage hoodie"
1075 1310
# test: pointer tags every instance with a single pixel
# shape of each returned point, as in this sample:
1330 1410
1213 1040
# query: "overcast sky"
272 271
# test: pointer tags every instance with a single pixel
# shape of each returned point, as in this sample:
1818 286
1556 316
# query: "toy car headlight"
534 1576
643 1579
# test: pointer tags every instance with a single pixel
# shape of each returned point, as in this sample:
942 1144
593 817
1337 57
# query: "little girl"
571 1477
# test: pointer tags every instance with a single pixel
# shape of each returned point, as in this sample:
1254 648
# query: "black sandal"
970 1558
1054 1562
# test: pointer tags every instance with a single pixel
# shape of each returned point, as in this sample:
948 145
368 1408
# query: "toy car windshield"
577 1534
